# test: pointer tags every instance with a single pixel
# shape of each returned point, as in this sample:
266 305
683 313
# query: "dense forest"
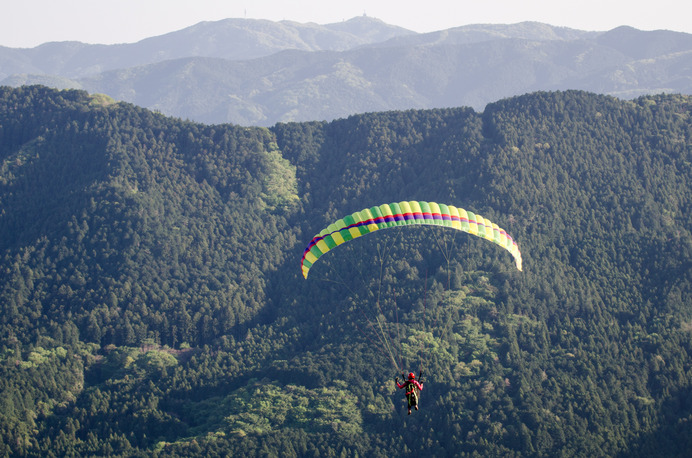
153 304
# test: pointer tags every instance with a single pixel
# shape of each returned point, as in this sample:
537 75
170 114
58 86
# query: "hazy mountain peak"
476 33
232 38
369 28
640 44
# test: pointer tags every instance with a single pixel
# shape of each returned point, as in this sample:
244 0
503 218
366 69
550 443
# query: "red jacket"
411 384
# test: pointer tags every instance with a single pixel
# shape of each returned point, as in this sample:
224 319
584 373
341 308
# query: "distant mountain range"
259 72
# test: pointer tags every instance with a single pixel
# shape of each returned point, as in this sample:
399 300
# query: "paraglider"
398 215
404 214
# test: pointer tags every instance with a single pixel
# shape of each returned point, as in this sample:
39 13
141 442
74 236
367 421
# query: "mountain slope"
119 202
152 300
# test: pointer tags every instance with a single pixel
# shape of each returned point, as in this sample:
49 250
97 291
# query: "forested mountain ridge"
152 301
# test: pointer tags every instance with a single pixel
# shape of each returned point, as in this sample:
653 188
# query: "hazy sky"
28 23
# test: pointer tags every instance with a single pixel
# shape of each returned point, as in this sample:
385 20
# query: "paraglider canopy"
405 213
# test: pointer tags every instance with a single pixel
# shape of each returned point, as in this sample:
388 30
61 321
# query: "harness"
411 392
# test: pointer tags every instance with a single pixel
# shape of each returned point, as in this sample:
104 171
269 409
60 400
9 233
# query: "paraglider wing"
404 214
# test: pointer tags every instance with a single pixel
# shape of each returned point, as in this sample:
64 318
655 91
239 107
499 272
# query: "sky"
28 23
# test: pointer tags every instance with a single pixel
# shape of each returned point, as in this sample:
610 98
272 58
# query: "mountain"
252 72
477 33
152 302
232 39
